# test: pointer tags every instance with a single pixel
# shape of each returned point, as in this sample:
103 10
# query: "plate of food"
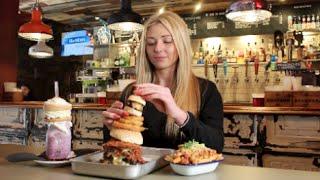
123 156
193 158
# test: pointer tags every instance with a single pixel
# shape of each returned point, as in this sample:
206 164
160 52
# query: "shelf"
88 78
311 60
109 67
113 44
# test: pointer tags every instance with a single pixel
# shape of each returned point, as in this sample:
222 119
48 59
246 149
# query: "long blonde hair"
185 89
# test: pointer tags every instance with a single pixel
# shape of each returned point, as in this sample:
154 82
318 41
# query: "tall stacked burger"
124 147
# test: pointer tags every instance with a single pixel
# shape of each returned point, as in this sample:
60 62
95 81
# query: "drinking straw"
56 89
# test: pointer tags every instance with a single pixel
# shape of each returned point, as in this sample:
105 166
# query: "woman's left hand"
162 99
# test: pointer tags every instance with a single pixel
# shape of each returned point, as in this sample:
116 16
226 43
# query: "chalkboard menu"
215 24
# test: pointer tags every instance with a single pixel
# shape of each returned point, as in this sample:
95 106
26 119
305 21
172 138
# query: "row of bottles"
249 53
284 50
304 22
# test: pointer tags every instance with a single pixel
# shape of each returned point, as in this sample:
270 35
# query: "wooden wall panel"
290 162
240 130
292 131
242 157
88 125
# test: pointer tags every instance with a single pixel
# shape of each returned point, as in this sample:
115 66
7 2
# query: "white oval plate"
190 170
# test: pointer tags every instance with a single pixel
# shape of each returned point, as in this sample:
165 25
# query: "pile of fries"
193 152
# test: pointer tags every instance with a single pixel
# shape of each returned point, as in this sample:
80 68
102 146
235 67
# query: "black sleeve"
208 129
124 96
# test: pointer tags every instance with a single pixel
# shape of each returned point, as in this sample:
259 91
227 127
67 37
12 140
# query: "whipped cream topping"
57 114
57 100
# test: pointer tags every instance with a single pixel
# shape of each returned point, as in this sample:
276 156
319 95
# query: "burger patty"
117 151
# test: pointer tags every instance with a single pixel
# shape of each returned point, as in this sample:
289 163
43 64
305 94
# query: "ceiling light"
161 10
197 7
126 19
249 11
35 30
40 50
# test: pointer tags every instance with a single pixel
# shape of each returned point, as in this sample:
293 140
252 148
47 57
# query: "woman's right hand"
114 112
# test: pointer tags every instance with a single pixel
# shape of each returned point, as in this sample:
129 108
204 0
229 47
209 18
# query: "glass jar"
58 140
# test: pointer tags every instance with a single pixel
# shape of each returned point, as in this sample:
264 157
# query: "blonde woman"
180 106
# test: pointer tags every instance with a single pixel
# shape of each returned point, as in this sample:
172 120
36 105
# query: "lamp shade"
126 19
35 29
40 50
249 11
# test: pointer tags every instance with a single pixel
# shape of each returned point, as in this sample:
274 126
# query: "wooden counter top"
228 108
29 170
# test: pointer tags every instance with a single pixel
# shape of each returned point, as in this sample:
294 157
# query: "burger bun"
126 136
137 99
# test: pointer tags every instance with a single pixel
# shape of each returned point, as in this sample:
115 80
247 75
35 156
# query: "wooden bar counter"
228 108
278 137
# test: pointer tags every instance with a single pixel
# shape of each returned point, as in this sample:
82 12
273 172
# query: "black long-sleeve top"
207 129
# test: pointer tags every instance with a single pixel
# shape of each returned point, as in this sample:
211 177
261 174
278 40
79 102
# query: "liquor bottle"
226 54
299 23
233 56
308 25
280 55
313 22
262 52
201 54
201 50
304 23
290 23
294 23
255 52
269 50
219 54
318 22
248 52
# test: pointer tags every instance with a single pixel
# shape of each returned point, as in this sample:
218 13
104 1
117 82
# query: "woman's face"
161 50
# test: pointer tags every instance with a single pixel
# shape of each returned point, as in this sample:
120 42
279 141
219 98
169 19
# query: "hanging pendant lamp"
40 50
126 19
249 11
35 30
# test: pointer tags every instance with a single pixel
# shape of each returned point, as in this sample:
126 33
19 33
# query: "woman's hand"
114 112
162 99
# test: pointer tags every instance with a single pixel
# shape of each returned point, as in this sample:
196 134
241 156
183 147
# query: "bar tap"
290 44
215 71
256 69
266 72
206 69
246 79
235 78
225 70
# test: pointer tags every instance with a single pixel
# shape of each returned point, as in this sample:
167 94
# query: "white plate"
42 161
190 170
48 163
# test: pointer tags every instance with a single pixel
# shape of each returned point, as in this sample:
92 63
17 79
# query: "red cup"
258 99
102 100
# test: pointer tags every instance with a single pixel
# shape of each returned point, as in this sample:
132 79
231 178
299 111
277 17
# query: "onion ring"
127 126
